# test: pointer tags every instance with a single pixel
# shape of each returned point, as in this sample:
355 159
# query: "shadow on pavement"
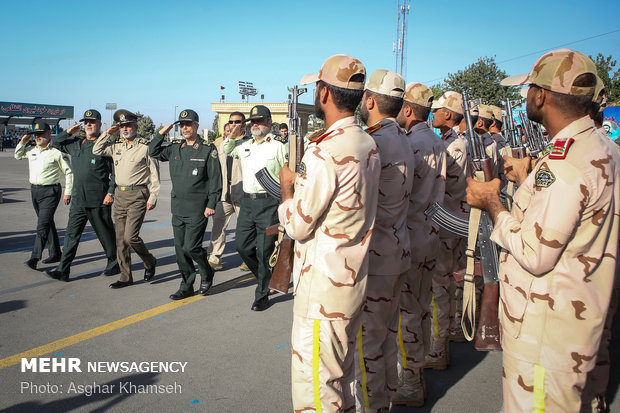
8 306
79 401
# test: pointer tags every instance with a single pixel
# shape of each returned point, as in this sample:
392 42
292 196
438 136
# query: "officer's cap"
450 100
259 112
419 94
187 115
39 126
91 114
338 70
123 116
386 83
557 71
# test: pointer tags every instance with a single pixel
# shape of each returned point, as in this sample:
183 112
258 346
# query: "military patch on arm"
214 153
544 178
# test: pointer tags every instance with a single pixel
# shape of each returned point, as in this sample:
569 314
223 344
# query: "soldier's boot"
412 389
438 357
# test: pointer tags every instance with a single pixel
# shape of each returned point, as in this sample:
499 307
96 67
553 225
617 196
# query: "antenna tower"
401 36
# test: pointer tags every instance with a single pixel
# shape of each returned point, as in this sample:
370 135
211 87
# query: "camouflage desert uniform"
429 183
451 252
389 259
492 151
331 217
557 275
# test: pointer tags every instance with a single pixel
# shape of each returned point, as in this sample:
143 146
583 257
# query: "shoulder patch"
143 141
279 138
560 148
544 178
214 153
369 130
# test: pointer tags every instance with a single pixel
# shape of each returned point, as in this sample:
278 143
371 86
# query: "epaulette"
176 141
280 139
560 148
323 136
119 140
369 130
142 141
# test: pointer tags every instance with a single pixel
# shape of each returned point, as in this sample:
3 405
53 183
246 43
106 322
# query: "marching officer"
137 186
45 164
93 195
196 189
258 210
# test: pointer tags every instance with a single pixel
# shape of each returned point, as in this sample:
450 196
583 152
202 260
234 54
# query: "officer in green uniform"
258 210
93 193
196 188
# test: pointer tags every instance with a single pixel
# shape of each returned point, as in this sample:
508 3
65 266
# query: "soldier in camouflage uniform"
447 115
331 216
481 127
389 255
429 182
496 130
560 242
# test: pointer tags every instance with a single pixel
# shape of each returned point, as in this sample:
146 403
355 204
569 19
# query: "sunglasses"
230 122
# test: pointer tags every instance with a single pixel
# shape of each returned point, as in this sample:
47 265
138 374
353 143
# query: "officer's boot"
412 389
439 357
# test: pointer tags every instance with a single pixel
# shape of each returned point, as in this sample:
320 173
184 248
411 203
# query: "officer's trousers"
101 220
129 211
254 246
45 200
223 212
450 258
188 235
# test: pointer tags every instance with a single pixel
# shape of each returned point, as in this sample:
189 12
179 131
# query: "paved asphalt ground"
236 360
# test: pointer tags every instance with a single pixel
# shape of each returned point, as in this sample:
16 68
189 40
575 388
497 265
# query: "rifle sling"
276 251
469 290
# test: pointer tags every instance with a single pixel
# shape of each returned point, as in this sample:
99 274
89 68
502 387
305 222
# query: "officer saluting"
196 189
93 194
137 187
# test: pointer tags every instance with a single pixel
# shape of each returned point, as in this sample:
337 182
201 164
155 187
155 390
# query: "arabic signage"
35 110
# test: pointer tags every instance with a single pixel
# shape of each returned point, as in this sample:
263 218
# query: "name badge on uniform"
118 153
195 171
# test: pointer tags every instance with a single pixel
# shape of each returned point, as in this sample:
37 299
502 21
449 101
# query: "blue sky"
152 56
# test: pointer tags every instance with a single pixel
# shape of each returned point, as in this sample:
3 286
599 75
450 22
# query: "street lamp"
176 125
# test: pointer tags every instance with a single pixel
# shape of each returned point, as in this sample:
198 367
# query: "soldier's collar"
574 128
267 138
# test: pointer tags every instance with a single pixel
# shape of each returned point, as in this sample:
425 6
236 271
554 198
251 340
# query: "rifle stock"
487 335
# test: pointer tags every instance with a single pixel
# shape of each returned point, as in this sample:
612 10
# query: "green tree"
480 80
610 77
146 127
438 90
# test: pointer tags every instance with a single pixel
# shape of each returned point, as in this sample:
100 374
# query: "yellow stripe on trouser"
316 335
360 351
435 322
401 343
539 389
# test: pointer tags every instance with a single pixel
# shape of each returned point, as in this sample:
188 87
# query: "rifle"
282 258
487 335
518 149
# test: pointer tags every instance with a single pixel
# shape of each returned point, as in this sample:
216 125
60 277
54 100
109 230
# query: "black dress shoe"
121 284
111 271
57 275
261 304
150 273
32 263
50 260
179 295
205 286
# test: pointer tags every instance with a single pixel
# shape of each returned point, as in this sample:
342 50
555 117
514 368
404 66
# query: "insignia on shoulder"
544 178
560 148
279 138
301 169
120 140
143 141
369 130
214 153
268 139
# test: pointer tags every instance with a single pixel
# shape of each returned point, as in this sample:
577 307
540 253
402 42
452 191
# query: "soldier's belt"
131 187
255 195
43 186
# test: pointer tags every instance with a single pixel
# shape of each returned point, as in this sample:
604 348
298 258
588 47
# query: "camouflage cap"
187 115
123 116
91 114
419 94
498 113
485 111
599 94
39 126
450 100
338 71
386 83
556 71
